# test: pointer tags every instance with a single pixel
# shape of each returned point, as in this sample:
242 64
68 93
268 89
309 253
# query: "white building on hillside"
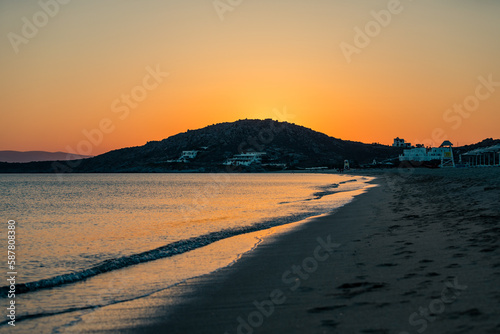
185 156
399 142
245 159
188 154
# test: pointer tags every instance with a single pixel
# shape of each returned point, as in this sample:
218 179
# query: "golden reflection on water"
140 213
90 218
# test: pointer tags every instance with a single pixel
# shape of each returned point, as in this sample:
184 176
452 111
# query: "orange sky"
68 78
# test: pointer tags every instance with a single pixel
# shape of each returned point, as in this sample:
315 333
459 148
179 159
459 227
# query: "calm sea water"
87 242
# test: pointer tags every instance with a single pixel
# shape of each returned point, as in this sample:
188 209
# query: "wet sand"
419 253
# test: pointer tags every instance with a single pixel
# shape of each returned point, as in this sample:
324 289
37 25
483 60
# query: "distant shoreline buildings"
412 156
399 142
432 157
442 156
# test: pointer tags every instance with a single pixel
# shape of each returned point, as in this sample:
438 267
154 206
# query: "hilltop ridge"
285 144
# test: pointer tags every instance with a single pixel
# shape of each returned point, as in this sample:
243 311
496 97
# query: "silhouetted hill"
284 143
29 156
485 143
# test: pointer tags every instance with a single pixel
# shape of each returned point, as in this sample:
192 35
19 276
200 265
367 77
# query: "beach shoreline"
127 255
414 254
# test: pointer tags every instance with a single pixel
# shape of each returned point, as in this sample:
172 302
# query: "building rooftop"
446 143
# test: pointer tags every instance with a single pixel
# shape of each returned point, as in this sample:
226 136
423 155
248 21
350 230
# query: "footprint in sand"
489 249
325 308
425 261
410 275
425 284
329 323
403 252
409 293
473 313
387 265
350 290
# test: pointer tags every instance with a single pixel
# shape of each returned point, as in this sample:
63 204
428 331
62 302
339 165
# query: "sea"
87 245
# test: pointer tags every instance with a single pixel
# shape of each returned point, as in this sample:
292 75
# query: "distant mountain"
286 145
29 156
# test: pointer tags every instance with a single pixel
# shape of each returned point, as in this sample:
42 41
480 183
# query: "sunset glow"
91 61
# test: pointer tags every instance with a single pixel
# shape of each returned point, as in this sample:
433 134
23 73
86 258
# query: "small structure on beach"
482 157
346 165
447 159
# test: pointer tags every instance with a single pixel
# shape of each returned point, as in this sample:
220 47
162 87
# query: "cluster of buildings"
435 157
243 159
442 156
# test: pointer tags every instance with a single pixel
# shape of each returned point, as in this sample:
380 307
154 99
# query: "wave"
331 189
169 250
318 195
175 248
326 190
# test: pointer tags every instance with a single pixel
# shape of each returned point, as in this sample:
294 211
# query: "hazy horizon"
117 148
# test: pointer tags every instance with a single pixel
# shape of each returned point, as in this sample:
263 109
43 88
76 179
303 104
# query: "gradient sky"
264 56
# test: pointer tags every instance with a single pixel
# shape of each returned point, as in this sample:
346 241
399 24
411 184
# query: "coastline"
269 273
84 304
418 253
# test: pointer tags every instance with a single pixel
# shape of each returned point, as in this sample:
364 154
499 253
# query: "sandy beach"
245 167
418 253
